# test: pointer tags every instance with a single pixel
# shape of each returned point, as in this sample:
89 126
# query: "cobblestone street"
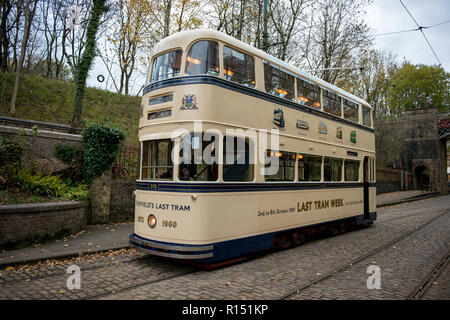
407 243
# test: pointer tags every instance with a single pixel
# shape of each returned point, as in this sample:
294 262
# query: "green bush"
10 152
51 186
68 154
100 147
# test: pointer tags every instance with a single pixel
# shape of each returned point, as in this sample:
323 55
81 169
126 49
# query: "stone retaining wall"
24 224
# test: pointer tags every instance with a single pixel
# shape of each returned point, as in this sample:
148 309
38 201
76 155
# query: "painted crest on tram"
189 102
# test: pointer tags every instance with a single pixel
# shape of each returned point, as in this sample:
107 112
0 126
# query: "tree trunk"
29 14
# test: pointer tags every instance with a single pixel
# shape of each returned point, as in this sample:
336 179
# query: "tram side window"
286 166
167 65
203 58
332 169
238 67
350 110
351 169
331 103
156 160
278 82
198 160
308 93
367 121
309 167
237 155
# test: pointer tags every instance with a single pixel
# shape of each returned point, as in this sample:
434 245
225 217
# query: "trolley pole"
265 35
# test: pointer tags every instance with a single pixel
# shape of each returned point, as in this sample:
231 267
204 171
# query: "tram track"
434 274
134 286
347 266
111 263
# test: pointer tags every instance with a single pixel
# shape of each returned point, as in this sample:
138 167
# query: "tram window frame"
347 173
246 72
197 159
331 101
179 57
147 170
350 109
328 175
279 82
310 160
310 94
201 57
289 157
366 116
249 174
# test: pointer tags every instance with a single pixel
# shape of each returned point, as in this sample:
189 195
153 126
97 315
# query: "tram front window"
156 160
167 66
198 158
203 58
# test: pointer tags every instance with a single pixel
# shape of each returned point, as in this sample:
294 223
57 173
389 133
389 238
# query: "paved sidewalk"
115 236
398 196
92 239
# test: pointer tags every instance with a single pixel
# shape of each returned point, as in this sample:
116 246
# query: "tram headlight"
151 221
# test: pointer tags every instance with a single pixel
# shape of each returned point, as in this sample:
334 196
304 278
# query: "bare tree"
337 33
30 9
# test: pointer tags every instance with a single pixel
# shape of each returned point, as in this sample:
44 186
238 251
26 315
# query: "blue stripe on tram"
241 187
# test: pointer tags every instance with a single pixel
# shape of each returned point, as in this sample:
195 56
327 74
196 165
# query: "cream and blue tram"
322 137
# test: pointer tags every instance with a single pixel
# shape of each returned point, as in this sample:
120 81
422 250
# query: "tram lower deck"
214 222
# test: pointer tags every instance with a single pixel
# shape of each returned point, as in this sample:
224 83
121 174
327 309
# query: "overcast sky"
390 16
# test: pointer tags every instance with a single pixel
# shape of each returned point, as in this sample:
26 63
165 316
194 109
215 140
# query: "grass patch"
51 100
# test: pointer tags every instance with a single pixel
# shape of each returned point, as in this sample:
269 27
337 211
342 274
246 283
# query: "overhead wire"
420 28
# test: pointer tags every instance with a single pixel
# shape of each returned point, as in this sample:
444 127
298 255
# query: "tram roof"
184 38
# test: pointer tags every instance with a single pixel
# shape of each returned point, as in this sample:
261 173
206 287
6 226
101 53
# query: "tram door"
366 188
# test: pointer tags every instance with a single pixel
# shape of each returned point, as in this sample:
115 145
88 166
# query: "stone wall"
24 224
122 200
40 144
111 200
388 180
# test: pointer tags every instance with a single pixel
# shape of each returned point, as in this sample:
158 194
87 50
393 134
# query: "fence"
126 165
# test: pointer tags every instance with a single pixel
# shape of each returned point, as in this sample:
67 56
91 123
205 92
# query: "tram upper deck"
209 76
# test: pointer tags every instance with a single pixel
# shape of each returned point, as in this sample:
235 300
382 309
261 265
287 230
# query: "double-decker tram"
241 152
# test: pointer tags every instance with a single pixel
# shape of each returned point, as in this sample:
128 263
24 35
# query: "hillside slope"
51 100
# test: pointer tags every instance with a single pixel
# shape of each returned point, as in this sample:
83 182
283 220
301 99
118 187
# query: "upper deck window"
308 94
167 65
350 110
238 67
203 58
367 120
278 82
331 103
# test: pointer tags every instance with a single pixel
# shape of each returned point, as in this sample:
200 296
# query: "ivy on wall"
100 147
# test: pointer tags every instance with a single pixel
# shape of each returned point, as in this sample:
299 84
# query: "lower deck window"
236 157
351 169
332 169
309 168
286 166
156 160
198 158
